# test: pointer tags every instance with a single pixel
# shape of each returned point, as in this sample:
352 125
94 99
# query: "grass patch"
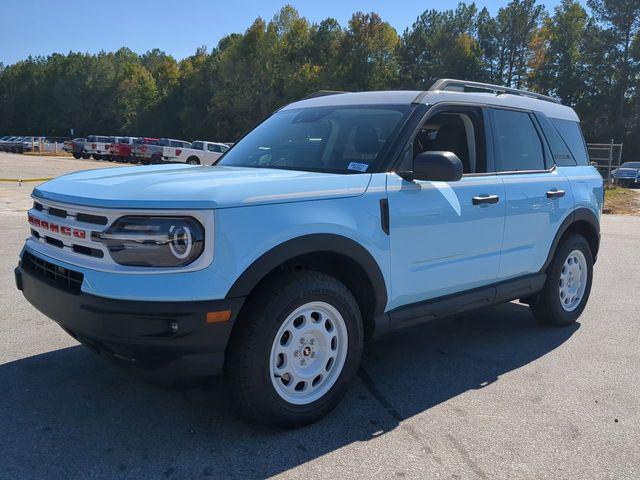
621 201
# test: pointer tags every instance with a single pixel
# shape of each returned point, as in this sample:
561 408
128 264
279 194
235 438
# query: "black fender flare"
579 215
314 243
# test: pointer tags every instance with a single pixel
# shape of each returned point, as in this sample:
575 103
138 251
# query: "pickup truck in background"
166 150
140 146
210 152
121 149
179 151
98 146
76 147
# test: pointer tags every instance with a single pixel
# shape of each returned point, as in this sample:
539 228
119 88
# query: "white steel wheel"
308 353
573 280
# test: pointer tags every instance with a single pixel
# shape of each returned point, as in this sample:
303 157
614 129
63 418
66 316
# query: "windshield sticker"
360 167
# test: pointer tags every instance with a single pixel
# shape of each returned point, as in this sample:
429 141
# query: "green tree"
368 51
557 65
442 44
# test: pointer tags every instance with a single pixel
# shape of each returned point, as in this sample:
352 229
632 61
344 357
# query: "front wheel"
297 346
566 291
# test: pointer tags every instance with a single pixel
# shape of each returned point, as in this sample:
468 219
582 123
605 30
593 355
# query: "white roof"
399 97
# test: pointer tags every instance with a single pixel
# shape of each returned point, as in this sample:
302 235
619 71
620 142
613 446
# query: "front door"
446 237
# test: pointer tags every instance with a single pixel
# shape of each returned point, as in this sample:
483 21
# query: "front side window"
517 143
338 139
213 148
459 131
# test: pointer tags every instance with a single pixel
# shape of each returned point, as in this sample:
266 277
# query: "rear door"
538 195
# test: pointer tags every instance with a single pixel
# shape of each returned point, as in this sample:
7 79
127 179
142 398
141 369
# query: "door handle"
555 193
485 199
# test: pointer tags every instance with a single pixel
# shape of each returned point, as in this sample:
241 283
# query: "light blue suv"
340 218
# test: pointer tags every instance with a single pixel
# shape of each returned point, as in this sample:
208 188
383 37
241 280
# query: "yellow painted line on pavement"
20 180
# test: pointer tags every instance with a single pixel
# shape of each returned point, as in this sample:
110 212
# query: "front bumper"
170 339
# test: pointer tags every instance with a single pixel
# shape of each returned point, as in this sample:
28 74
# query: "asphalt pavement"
487 395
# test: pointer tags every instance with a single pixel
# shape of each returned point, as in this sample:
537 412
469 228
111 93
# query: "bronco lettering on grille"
55 228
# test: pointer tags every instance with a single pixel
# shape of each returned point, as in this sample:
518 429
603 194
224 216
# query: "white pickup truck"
98 146
179 151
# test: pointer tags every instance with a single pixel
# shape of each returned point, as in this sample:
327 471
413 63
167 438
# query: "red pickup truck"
121 149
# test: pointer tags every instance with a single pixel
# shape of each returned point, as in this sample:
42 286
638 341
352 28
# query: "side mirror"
435 166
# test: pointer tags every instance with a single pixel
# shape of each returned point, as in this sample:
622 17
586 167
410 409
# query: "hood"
182 186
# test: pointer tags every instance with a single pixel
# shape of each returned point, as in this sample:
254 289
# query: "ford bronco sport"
340 218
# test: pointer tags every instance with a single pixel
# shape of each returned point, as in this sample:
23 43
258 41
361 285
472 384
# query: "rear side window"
517 143
559 149
572 136
214 148
197 145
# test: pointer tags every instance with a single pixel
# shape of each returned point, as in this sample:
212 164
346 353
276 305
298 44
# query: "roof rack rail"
322 93
462 85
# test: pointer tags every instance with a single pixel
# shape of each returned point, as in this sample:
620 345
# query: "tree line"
587 57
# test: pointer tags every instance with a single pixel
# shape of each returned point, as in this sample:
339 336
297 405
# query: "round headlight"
153 241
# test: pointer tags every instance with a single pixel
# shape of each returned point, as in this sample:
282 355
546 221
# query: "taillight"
178 152
93 146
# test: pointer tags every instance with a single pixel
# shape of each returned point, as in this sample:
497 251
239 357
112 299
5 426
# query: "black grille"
88 218
80 217
60 276
57 212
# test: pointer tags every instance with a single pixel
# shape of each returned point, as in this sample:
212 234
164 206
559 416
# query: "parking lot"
486 395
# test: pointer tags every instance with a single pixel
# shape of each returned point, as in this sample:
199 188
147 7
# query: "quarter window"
571 134
517 143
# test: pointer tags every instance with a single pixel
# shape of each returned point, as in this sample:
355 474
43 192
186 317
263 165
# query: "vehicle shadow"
70 414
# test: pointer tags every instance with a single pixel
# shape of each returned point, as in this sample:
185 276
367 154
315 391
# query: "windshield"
631 165
345 139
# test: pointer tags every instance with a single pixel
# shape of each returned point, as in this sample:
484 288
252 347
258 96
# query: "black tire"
76 155
193 161
86 156
547 306
155 159
97 157
247 369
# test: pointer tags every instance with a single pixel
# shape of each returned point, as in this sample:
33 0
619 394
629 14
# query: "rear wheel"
296 347
76 155
193 161
566 291
155 159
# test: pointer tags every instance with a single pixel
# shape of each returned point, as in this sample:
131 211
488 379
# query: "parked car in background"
627 174
4 142
139 147
166 150
76 147
179 151
121 149
15 145
98 146
31 144
211 152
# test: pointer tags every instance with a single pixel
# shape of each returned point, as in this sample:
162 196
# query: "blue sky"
41 27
